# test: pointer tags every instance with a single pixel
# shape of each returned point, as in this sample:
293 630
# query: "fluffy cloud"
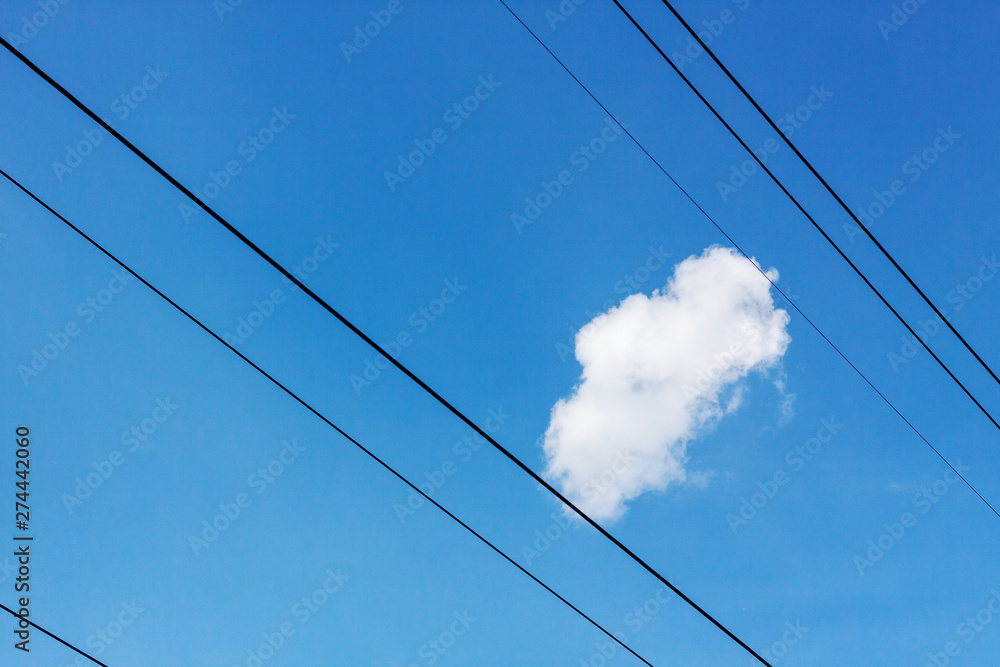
657 371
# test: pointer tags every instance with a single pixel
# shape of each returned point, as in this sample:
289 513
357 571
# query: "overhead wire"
52 635
469 422
318 414
760 270
833 192
822 231
375 346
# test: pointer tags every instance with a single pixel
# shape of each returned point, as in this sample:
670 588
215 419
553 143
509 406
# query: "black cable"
830 189
321 416
58 639
809 217
759 269
486 436
375 346
757 266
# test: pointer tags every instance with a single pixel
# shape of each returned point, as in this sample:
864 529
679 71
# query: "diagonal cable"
833 192
736 245
53 636
809 217
375 346
327 421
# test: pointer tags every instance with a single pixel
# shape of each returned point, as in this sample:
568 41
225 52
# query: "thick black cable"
311 409
375 346
809 217
58 639
688 196
833 192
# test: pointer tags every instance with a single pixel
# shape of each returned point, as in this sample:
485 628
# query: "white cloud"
656 372
786 410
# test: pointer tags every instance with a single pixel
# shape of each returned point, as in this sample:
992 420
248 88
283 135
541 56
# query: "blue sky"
316 196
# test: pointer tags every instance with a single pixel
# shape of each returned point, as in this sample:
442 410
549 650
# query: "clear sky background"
319 190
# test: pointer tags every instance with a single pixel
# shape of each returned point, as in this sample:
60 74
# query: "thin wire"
736 245
375 346
809 217
830 189
322 417
57 638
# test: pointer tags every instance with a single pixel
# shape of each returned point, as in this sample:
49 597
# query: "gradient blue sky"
497 346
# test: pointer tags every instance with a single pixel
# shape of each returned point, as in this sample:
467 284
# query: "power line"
736 245
375 346
808 216
462 416
58 639
830 189
327 421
